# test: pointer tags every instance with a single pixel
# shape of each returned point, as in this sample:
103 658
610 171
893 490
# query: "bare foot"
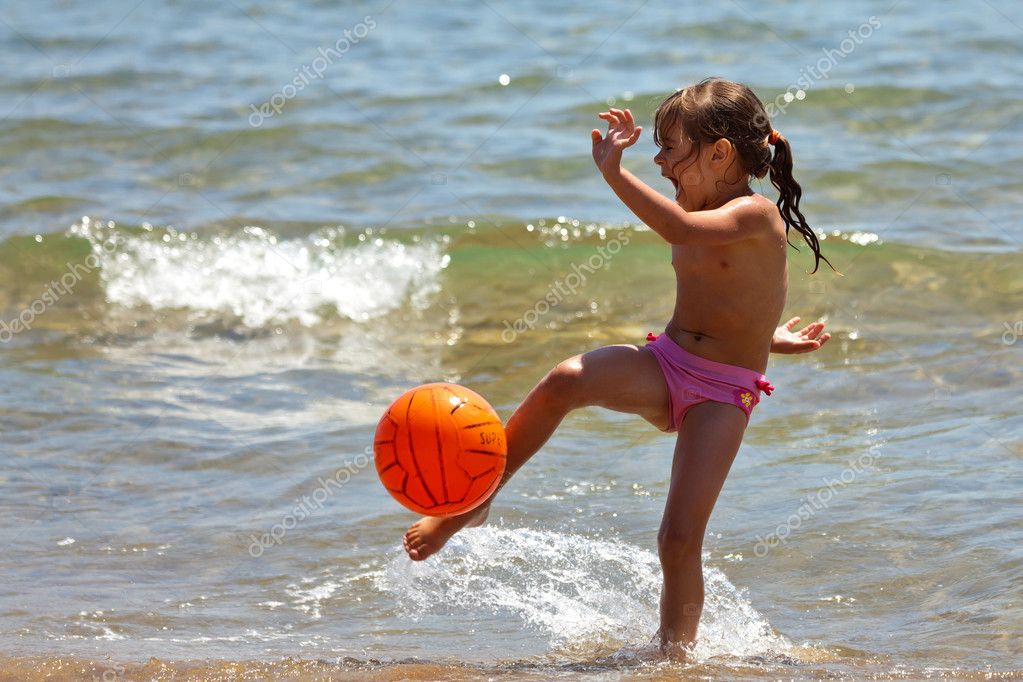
676 652
427 535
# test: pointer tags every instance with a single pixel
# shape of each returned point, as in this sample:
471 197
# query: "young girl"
704 374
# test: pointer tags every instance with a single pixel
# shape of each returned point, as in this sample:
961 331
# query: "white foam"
310 599
261 279
571 588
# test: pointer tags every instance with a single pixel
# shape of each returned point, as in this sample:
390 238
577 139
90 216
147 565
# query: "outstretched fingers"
809 338
810 331
613 122
618 117
621 127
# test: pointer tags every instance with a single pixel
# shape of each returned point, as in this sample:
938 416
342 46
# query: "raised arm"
738 220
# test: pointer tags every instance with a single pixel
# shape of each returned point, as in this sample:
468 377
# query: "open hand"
622 132
807 339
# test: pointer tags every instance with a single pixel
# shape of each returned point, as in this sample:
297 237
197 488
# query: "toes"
412 542
413 550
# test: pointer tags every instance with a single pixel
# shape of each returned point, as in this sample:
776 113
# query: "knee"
679 543
563 384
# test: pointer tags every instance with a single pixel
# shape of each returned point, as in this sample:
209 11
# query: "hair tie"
773 137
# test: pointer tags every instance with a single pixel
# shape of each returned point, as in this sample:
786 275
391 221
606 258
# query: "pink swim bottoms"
693 380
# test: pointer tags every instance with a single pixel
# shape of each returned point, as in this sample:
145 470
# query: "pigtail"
789 193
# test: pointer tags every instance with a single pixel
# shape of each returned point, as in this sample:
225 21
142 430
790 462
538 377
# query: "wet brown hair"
716 108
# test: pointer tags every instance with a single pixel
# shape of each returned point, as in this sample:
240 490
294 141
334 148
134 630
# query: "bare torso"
729 299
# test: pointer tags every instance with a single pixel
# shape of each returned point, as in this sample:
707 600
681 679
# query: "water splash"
572 589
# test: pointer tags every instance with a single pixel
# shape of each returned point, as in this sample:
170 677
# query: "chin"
677 189
681 198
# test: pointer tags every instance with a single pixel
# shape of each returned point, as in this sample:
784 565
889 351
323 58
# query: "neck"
732 192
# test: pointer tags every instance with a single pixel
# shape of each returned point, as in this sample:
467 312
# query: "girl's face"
682 167
696 176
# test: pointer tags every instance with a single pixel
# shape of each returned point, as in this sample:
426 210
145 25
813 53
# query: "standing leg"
707 443
623 378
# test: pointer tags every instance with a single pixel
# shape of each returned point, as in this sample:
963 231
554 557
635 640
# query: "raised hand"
807 339
622 132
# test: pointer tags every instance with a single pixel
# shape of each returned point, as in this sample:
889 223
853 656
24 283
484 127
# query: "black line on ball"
476 426
412 449
440 446
484 452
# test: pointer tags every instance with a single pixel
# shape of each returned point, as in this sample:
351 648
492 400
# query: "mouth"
674 182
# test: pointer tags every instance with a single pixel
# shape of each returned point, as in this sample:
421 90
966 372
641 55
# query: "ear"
721 152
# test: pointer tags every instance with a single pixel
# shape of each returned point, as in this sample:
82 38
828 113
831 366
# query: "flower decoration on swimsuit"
747 399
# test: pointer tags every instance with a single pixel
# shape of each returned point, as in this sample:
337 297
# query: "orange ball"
440 449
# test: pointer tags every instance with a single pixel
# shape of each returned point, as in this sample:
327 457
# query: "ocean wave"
259 278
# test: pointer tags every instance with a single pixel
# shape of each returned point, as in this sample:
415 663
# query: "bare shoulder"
757 213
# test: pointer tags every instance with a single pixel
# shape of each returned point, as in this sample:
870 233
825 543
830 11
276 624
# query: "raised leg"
622 378
707 443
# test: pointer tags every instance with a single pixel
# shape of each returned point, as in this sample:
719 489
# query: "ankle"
478 516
